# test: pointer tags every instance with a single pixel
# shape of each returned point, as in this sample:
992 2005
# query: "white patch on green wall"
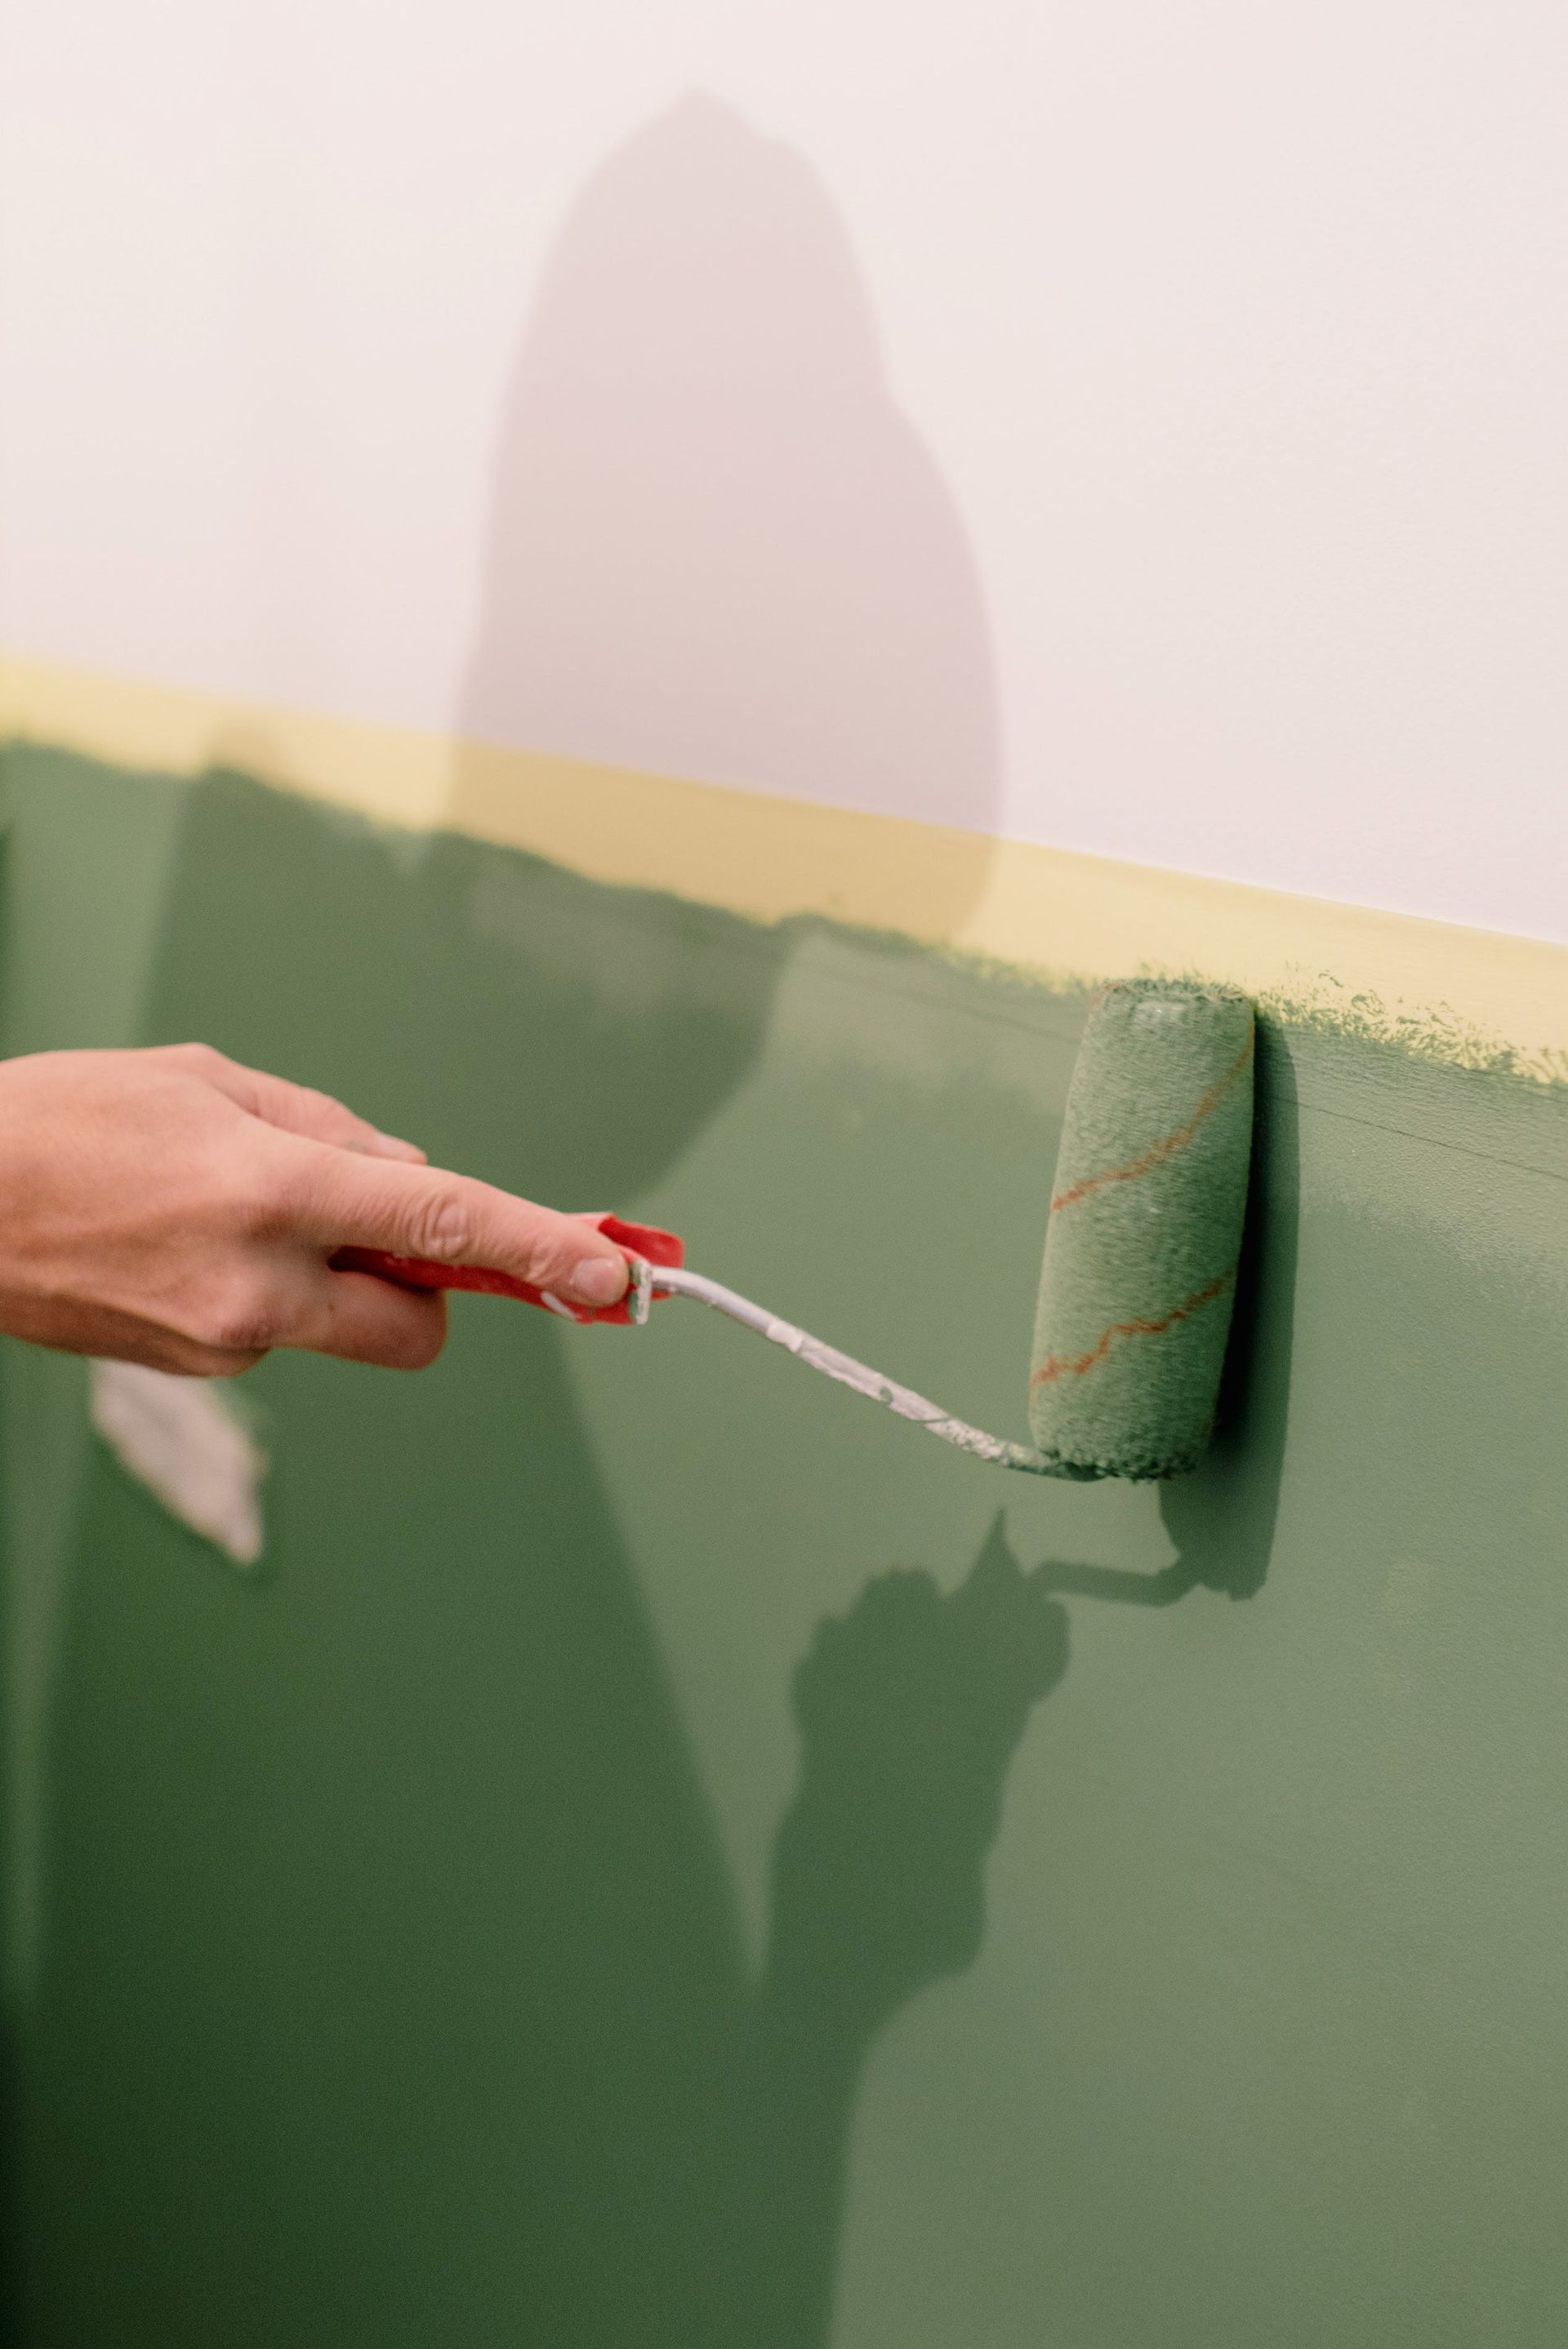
190 1442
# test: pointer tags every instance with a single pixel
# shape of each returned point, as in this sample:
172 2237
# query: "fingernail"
390 1146
599 1279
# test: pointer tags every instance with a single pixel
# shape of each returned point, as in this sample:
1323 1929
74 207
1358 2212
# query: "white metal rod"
668 1281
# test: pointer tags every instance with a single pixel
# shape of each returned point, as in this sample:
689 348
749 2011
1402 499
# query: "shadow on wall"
718 549
911 1709
466 2036
467 2049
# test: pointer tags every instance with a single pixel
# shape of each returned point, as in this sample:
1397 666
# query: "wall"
664 1855
1133 428
652 598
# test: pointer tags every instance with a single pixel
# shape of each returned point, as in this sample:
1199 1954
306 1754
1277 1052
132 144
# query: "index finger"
339 1199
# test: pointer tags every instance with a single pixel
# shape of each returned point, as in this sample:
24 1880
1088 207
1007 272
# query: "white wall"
1136 426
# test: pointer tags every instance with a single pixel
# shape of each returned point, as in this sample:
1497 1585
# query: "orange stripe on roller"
1157 1152
1055 1366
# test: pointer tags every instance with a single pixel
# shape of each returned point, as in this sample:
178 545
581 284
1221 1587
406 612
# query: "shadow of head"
718 549
911 1708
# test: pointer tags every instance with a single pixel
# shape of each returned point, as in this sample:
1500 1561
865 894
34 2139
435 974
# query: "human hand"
169 1207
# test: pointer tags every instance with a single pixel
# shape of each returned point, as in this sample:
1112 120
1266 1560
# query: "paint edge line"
1472 996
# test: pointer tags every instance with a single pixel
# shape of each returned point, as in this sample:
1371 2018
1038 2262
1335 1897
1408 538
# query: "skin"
172 1207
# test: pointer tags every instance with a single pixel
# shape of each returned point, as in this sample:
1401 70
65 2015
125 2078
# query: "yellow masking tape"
1076 919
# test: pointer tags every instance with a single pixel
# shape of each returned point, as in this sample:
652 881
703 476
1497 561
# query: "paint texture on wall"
661 1854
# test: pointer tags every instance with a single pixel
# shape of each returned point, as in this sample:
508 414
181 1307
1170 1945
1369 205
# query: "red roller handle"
422 1272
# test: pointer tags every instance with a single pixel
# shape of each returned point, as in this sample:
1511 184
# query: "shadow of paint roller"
1142 1248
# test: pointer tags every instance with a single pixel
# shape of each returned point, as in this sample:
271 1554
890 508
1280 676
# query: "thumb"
341 1199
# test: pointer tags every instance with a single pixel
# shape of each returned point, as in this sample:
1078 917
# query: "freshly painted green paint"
664 1858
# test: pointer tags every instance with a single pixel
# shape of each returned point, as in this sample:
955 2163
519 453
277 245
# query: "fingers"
294 1109
362 1320
290 1298
339 1200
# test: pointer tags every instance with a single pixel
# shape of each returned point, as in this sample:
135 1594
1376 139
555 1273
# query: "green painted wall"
663 1858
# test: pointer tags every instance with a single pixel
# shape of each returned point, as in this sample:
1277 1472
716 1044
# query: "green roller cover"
1144 1232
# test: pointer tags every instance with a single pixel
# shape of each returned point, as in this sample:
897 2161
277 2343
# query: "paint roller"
1142 1247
